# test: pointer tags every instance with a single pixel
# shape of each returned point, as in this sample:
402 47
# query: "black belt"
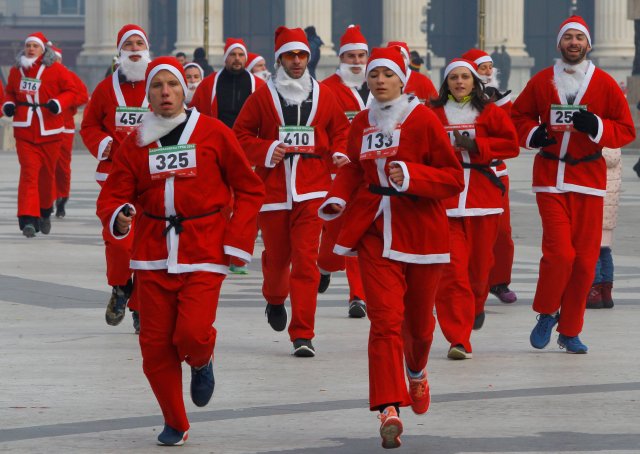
175 220
570 159
33 106
388 190
487 172
291 154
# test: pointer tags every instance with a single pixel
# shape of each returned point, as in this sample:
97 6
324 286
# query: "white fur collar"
154 127
294 91
568 78
460 113
386 116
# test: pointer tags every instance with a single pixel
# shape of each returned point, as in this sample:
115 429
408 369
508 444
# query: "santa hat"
576 23
252 60
57 51
234 43
37 37
170 64
352 39
389 57
129 30
194 65
288 39
404 48
477 56
461 63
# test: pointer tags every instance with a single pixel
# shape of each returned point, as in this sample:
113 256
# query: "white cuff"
267 161
337 153
9 102
598 136
405 183
103 146
528 142
504 100
242 255
59 105
341 250
112 223
326 216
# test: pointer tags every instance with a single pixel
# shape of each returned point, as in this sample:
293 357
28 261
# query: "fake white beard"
568 78
27 62
459 113
294 91
350 79
154 127
134 71
387 115
264 74
493 80
191 89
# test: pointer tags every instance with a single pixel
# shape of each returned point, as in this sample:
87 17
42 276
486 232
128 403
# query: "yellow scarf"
465 100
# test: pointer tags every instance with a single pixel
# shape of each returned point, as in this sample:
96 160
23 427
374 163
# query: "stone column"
613 46
505 26
103 20
190 34
302 13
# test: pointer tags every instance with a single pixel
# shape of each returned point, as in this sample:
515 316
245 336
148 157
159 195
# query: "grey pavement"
70 383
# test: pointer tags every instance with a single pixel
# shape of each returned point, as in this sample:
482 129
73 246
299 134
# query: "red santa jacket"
347 98
298 178
415 223
99 122
421 86
496 139
207 239
204 99
602 96
81 98
44 81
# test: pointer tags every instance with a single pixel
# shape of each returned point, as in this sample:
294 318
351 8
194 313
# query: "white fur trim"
529 136
420 259
242 255
337 153
195 65
179 268
59 105
254 62
103 146
154 127
292 45
598 136
173 70
464 212
458 64
341 250
272 148
131 33
575 26
34 40
112 222
101 176
393 66
405 171
483 59
353 46
330 216
234 46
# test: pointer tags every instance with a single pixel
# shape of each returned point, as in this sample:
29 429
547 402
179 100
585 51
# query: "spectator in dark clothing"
182 58
506 68
416 61
315 43
200 58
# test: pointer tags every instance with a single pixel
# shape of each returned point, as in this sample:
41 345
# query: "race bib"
177 160
29 86
562 116
298 139
468 130
128 118
351 114
377 145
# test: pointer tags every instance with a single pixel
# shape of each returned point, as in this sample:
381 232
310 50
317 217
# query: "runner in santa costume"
195 74
175 174
63 166
570 111
291 130
37 92
257 65
503 250
116 108
401 169
417 83
481 133
222 94
352 94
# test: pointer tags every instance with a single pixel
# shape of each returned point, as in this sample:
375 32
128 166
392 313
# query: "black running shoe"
135 315
357 308
45 225
303 348
60 206
479 321
276 316
202 384
29 231
324 282
116 305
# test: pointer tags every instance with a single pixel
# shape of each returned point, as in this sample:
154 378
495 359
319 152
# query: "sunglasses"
292 54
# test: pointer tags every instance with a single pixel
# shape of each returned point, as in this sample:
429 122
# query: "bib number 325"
178 161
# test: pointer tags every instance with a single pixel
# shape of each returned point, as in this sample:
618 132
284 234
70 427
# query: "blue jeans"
604 267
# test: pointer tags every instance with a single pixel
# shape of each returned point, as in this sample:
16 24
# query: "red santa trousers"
464 286
400 300
571 234
289 262
36 188
177 312
63 166
330 262
503 250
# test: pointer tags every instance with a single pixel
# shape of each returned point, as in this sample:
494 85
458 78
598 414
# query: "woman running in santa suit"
401 169
481 133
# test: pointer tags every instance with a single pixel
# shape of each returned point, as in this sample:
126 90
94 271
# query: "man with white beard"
195 74
352 94
116 109
291 129
257 66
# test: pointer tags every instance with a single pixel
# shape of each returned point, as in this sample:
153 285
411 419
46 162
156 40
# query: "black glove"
540 137
465 142
52 106
585 121
499 95
9 109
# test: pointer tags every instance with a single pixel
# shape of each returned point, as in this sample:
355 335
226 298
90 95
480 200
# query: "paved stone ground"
70 383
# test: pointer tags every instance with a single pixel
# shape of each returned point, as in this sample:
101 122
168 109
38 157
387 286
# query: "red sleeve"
338 127
66 87
525 112
12 83
495 136
92 129
617 129
82 95
248 127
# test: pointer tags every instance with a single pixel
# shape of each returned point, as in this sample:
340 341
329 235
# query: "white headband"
234 46
458 64
353 46
195 65
577 26
483 59
130 33
254 62
173 70
35 40
292 45
393 66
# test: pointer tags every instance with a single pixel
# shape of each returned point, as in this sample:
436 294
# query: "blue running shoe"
541 334
202 384
172 437
572 344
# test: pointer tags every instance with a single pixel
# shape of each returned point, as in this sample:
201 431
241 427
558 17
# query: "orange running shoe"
420 395
390 428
